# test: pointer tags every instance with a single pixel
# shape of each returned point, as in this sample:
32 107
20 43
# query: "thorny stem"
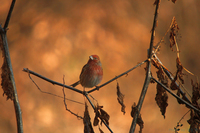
148 73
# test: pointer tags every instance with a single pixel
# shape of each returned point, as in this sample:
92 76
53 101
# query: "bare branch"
148 73
51 81
9 15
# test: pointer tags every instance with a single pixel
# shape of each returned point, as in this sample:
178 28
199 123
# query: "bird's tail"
75 84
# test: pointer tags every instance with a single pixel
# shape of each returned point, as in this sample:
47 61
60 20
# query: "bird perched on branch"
91 74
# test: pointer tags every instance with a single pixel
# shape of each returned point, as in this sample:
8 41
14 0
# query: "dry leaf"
195 93
5 77
120 98
161 95
86 121
194 122
105 116
139 119
161 99
100 113
173 32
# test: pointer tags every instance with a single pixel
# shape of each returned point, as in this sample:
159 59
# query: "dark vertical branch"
9 15
7 61
148 73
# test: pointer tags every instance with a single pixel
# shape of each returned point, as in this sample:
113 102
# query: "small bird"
91 74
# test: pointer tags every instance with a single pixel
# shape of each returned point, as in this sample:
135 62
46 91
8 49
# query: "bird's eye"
95 58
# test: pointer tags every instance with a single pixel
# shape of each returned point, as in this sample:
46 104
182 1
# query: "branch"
51 81
148 73
177 97
9 15
125 73
8 81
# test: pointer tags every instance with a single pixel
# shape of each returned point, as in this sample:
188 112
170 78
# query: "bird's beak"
91 57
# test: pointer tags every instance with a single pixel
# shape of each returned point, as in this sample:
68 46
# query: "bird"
91 74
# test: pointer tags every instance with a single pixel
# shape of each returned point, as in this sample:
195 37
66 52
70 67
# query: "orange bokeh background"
55 38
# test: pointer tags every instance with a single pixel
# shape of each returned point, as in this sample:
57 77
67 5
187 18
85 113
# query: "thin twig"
148 72
63 89
125 73
51 81
51 93
177 97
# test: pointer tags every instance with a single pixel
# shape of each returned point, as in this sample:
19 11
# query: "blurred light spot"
41 30
45 115
63 46
50 61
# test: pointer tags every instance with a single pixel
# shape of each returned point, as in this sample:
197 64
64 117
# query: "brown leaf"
194 122
96 121
173 32
120 98
183 97
100 113
195 92
5 77
86 121
161 99
105 116
179 74
174 1
139 119
173 85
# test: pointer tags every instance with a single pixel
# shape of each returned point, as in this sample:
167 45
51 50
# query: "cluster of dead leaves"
99 114
194 120
161 96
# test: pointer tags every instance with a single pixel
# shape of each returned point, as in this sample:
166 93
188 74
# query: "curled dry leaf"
86 121
105 116
161 95
173 32
5 77
120 98
100 113
179 74
194 122
195 93
139 119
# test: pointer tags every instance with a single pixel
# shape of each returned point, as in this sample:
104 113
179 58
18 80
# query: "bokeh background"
55 38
